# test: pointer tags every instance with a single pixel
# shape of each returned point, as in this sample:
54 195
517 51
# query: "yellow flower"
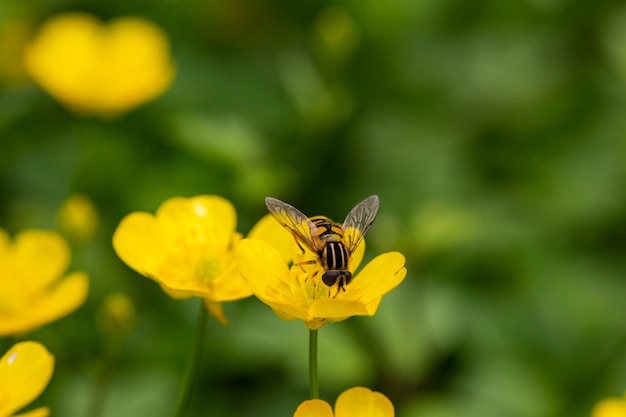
187 247
117 314
25 371
296 292
355 402
14 35
337 34
77 218
31 293
610 407
100 69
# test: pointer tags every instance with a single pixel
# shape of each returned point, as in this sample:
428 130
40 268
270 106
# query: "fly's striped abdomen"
336 256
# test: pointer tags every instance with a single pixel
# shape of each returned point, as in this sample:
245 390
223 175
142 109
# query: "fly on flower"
333 243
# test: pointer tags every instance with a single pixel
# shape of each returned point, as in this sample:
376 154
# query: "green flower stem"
314 385
191 373
106 368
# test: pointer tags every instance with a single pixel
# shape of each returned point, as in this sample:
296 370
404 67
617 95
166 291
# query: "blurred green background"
494 133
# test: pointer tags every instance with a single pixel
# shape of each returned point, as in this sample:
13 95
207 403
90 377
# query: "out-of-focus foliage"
493 132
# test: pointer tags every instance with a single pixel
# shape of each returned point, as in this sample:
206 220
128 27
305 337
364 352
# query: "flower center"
309 281
209 268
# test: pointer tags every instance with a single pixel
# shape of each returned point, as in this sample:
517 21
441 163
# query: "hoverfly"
333 243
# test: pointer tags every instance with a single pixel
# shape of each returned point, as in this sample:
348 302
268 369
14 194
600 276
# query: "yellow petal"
203 220
610 407
40 257
357 256
288 311
229 285
4 241
314 408
138 242
383 407
25 370
216 311
63 58
372 306
379 276
363 402
333 308
100 68
65 297
176 294
62 299
140 69
315 324
39 412
269 230
263 268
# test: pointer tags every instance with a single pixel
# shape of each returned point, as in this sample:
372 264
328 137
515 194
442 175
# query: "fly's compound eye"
330 278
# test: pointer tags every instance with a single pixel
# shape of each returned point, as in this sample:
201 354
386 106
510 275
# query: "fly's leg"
341 283
299 245
339 289
310 262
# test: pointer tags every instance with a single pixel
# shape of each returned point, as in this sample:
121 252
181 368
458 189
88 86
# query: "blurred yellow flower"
31 293
187 247
610 407
77 218
337 33
25 371
96 68
14 35
354 402
269 260
117 314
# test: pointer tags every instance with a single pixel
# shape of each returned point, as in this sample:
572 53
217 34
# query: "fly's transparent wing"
293 220
359 220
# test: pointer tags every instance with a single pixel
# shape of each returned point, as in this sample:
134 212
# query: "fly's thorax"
326 229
